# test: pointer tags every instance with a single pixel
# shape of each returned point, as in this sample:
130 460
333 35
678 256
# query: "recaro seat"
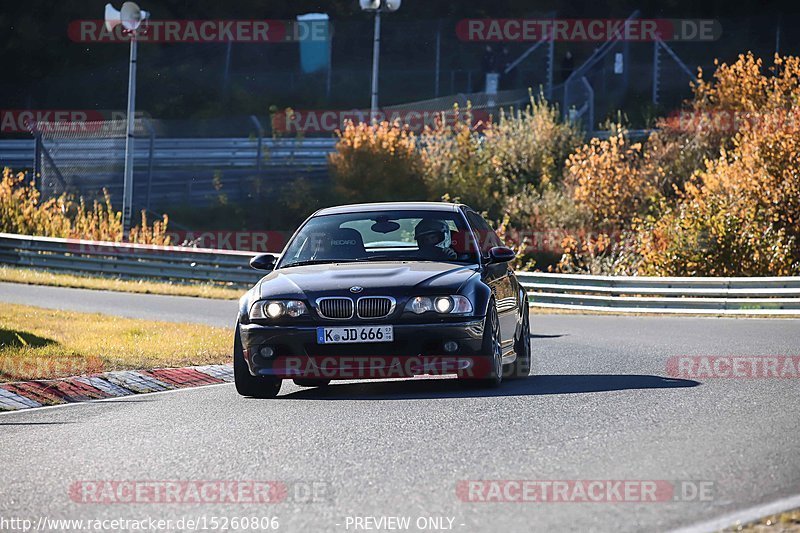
346 243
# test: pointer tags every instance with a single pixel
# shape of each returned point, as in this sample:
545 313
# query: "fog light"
450 346
266 351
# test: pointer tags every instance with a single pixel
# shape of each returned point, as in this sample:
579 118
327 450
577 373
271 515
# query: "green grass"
39 277
38 343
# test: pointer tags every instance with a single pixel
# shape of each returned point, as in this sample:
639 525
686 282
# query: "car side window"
487 238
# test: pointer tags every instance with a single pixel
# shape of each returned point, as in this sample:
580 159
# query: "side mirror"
263 262
501 254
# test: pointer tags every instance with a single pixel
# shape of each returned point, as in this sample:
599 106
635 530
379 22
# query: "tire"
246 383
491 348
521 367
311 382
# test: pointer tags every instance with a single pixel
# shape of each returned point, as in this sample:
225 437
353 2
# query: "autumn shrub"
715 190
600 254
23 211
530 146
747 86
672 156
487 164
744 93
377 163
457 164
609 178
537 222
739 94
740 212
549 208
739 216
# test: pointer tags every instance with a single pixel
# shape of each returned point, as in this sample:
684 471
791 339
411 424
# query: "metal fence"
700 295
169 171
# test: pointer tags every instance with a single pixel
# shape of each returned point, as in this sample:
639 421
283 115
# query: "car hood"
376 278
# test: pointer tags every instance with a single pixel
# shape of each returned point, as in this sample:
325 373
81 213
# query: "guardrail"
700 295
125 260
640 294
178 153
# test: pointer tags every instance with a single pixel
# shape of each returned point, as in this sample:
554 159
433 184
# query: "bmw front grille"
375 306
335 308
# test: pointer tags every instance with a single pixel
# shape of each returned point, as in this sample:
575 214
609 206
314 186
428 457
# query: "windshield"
382 236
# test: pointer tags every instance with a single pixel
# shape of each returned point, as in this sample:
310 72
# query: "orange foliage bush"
609 177
23 211
377 163
745 86
740 216
704 196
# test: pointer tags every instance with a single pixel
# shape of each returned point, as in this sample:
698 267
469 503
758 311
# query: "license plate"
353 334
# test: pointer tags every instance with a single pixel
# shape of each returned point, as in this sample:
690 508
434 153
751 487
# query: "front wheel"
492 349
521 367
246 383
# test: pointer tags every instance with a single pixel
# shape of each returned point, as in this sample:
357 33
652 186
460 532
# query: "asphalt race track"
600 407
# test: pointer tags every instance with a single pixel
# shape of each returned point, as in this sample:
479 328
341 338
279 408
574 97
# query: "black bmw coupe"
384 290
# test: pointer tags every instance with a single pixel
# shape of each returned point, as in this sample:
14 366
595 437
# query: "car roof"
390 206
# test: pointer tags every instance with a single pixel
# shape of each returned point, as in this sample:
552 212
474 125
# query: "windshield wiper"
316 262
386 257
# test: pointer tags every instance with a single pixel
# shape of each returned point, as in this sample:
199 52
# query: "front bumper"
416 349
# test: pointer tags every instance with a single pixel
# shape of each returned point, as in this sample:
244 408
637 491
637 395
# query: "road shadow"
537 336
433 388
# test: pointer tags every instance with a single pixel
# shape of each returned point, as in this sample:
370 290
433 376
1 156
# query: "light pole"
376 6
131 17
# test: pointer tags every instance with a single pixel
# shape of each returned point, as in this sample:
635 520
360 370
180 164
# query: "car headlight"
272 309
445 305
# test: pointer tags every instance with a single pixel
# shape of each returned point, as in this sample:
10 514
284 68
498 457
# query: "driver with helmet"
433 239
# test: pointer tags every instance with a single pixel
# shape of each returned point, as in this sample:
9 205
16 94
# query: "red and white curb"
39 393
